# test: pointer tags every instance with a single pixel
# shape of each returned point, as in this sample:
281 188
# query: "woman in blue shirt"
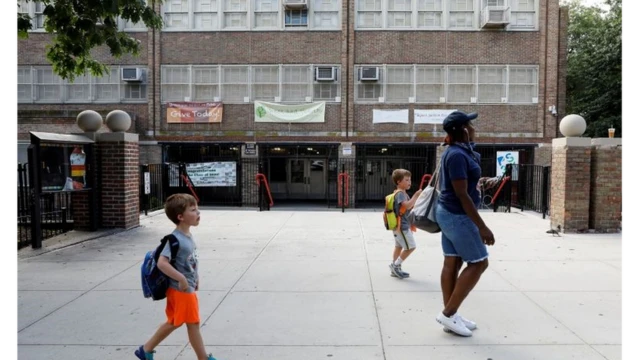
464 234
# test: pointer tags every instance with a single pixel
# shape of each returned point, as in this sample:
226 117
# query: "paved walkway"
291 285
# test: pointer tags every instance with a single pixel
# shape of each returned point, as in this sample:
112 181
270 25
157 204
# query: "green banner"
300 113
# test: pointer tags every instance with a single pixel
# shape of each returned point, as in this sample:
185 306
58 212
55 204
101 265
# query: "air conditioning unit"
131 74
295 4
326 73
369 73
495 17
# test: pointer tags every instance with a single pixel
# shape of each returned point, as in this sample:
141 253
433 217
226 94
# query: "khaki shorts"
404 239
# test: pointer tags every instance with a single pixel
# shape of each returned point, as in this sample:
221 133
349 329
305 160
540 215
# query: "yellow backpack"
390 218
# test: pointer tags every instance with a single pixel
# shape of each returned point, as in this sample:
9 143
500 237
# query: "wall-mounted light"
553 111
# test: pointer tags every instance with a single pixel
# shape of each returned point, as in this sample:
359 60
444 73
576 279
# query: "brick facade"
120 180
605 211
346 120
570 184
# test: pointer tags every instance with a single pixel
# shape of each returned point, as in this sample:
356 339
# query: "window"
243 83
369 14
492 84
444 14
326 14
47 87
175 82
265 14
235 83
430 84
461 14
205 83
35 10
456 84
523 14
24 85
295 82
235 14
294 18
430 14
369 90
265 83
399 83
206 14
176 14
523 85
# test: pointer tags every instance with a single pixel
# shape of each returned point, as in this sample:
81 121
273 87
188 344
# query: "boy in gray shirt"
403 235
182 301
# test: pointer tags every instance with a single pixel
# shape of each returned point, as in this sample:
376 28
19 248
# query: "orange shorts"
182 307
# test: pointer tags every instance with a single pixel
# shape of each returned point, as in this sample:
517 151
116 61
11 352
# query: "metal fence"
56 211
154 200
532 188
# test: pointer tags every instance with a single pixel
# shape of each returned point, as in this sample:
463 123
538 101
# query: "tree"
594 74
78 26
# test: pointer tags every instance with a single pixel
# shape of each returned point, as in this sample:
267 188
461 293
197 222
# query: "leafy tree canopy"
78 26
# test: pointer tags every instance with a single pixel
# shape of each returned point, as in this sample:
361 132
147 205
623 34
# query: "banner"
220 173
430 116
194 112
507 157
391 116
300 113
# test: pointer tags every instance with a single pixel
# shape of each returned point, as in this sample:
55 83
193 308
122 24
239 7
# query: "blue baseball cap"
457 119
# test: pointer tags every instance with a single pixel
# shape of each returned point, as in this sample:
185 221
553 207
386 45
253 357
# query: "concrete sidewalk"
291 285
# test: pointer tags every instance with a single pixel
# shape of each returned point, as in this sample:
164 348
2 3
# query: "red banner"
194 112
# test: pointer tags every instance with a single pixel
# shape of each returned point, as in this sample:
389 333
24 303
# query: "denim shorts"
460 236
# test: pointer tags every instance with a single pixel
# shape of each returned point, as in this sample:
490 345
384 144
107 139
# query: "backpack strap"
174 245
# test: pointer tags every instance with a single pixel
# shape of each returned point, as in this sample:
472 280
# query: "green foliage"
78 26
594 76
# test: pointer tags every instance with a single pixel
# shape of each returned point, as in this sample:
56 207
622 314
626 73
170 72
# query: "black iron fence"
153 184
532 188
56 211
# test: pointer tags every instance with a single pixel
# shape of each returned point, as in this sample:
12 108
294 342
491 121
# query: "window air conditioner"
369 73
295 4
326 73
131 74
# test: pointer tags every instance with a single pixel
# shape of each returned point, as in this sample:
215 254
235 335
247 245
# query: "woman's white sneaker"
454 324
471 325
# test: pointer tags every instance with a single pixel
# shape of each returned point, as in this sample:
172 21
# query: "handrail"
259 177
182 169
495 196
425 177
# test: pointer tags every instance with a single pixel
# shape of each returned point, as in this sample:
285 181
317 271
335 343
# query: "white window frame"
446 13
197 80
274 82
303 82
446 85
309 83
480 84
27 84
318 12
30 9
166 81
391 83
61 87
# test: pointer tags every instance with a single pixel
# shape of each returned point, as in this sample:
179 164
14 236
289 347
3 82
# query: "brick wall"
119 160
542 155
570 181
605 211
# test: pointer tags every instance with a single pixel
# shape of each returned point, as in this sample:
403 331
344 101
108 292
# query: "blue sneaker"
144 355
211 357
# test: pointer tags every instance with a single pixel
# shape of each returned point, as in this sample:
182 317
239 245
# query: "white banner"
391 116
300 113
430 116
220 173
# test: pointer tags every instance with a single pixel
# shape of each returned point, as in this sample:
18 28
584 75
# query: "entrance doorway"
307 179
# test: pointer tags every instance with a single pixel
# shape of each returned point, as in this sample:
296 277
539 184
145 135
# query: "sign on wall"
503 158
194 112
279 113
430 116
211 174
391 116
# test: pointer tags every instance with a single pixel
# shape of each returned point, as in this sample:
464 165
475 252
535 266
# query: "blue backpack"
154 282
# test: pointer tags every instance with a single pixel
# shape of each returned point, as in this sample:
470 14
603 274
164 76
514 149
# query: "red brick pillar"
605 213
119 179
570 184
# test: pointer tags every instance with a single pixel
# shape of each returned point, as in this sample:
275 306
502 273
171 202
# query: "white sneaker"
454 324
471 325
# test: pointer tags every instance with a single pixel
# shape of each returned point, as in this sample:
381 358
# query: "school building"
297 89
